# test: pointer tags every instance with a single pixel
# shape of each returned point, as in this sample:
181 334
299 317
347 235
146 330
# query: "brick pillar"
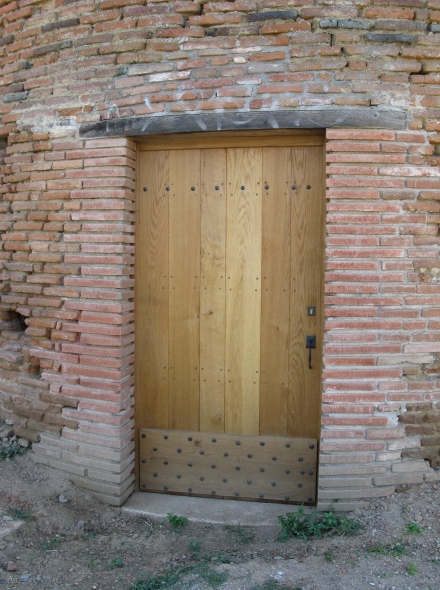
95 349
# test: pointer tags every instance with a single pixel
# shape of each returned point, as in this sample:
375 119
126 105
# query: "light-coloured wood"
242 467
243 290
213 141
152 291
212 290
184 299
307 262
275 274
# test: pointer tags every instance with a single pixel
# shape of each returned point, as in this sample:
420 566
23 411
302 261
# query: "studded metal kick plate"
264 468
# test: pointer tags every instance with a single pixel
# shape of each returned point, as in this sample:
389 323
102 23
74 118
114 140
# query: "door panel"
230 254
243 290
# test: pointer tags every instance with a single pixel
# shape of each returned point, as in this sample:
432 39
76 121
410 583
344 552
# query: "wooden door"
230 250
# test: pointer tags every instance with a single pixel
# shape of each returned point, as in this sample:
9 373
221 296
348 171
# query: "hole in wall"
15 345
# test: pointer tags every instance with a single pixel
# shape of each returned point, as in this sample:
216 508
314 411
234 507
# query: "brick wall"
67 212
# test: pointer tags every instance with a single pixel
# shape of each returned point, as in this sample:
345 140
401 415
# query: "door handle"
310 343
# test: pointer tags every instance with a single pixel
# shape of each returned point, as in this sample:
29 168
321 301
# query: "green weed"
394 549
117 562
18 513
10 451
328 555
239 534
171 578
412 528
177 522
195 549
272 585
51 544
315 524
411 569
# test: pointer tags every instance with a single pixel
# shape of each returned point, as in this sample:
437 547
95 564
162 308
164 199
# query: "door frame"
222 139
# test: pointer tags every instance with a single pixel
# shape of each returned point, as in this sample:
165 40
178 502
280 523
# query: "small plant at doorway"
315 524
177 522
412 528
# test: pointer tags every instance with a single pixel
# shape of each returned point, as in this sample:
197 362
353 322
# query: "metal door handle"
310 343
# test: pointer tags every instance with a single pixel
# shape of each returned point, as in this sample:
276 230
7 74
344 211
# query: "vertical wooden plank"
184 264
152 291
307 272
275 271
243 290
212 290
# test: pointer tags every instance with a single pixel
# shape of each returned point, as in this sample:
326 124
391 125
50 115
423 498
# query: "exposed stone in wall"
424 420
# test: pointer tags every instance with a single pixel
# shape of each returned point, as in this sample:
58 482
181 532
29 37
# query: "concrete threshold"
207 510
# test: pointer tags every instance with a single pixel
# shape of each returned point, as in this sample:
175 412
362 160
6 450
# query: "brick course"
67 215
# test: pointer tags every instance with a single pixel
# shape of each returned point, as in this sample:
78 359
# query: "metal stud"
238 468
213 466
155 474
145 189
302 471
288 445
308 187
236 494
311 446
214 440
237 442
262 469
224 480
310 472
249 481
144 435
300 485
242 187
287 471
266 187
165 436
287 497
166 488
165 462
273 484
144 485
155 449
293 187
274 458
300 459
193 188
190 490
262 444
202 478
167 188
179 450
261 495
217 188
190 464
225 454
190 438
213 492
250 456
202 452
144 460
179 476
310 499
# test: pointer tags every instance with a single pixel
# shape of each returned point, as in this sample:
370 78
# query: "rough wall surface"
67 213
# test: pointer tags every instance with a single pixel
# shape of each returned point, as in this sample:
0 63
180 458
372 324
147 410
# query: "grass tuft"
177 522
315 524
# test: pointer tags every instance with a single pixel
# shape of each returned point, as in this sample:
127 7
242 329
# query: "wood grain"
184 270
307 271
213 290
243 290
275 274
152 291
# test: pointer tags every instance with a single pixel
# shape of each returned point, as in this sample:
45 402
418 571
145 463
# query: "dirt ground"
69 540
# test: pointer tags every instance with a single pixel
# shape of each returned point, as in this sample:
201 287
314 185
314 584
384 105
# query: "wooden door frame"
246 138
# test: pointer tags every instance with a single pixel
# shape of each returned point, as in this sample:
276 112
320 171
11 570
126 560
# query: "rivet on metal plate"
262 469
300 459
145 189
237 442
155 474
273 484
144 460
249 481
165 462
154 448
225 454
262 444
190 438
202 452
224 480
190 464
213 466
238 468
250 456
202 479
179 476
179 450
214 440
165 436
308 187
300 485
311 446
144 435
288 445
274 458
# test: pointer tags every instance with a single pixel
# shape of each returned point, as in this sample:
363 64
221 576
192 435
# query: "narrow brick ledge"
369 117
